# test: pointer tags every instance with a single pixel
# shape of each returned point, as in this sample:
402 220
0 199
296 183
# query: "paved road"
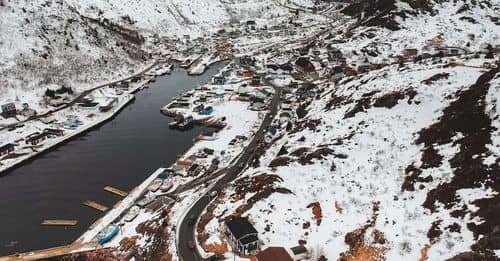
186 232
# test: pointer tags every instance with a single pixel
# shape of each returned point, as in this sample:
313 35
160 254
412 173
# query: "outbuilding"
6 149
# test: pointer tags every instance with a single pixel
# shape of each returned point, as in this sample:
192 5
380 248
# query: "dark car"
191 220
191 244
215 258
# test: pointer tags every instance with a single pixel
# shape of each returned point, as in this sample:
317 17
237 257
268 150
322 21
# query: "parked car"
192 220
190 244
213 193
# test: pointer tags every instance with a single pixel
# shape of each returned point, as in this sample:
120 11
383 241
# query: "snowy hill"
400 162
84 43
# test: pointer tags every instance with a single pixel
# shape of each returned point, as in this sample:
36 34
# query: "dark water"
120 153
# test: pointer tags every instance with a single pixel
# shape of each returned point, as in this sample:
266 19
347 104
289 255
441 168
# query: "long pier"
59 222
116 191
95 205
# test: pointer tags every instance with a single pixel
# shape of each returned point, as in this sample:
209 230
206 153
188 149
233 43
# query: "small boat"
155 185
167 185
107 234
148 198
166 173
132 214
187 63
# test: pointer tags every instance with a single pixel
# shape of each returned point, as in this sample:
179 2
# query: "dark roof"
6 147
240 227
274 254
337 69
302 61
299 250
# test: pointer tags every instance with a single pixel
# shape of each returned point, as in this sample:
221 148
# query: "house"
410 52
242 236
194 170
53 132
6 149
305 64
250 22
255 80
218 80
9 110
299 253
247 74
364 66
27 111
337 73
56 102
124 85
109 105
334 54
35 138
274 254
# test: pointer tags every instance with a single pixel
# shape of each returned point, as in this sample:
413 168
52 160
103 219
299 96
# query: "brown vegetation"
316 211
467 115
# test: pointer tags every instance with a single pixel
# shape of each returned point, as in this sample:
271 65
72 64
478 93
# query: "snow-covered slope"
397 163
83 43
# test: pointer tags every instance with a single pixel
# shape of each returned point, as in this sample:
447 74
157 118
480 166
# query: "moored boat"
107 234
167 185
155 185
131 214
148 198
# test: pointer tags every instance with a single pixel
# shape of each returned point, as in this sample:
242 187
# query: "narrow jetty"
116 191
59 222
93 204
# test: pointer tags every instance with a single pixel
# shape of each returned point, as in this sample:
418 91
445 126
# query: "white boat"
155 185
132 214
167 185
148 198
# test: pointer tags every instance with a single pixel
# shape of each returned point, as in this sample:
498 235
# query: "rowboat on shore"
167 185
155 185
107 234
132 214
148 198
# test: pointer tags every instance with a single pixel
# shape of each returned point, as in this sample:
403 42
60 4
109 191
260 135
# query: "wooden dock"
116 191
59 222
93 204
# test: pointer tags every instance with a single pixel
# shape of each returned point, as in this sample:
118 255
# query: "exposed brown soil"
280 161
431 158
319 153
311 124
338 208
299 152
434 232
423 253
217 249
316 211
390 100
413 176
362 105
436 77
359 246
336 101
467 116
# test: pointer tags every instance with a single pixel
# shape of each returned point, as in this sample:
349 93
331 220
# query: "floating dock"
116 191
59 222
92 204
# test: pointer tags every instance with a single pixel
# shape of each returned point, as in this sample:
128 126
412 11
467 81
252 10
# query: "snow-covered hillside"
397 163
80 44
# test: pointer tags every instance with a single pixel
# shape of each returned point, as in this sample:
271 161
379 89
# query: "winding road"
186 232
